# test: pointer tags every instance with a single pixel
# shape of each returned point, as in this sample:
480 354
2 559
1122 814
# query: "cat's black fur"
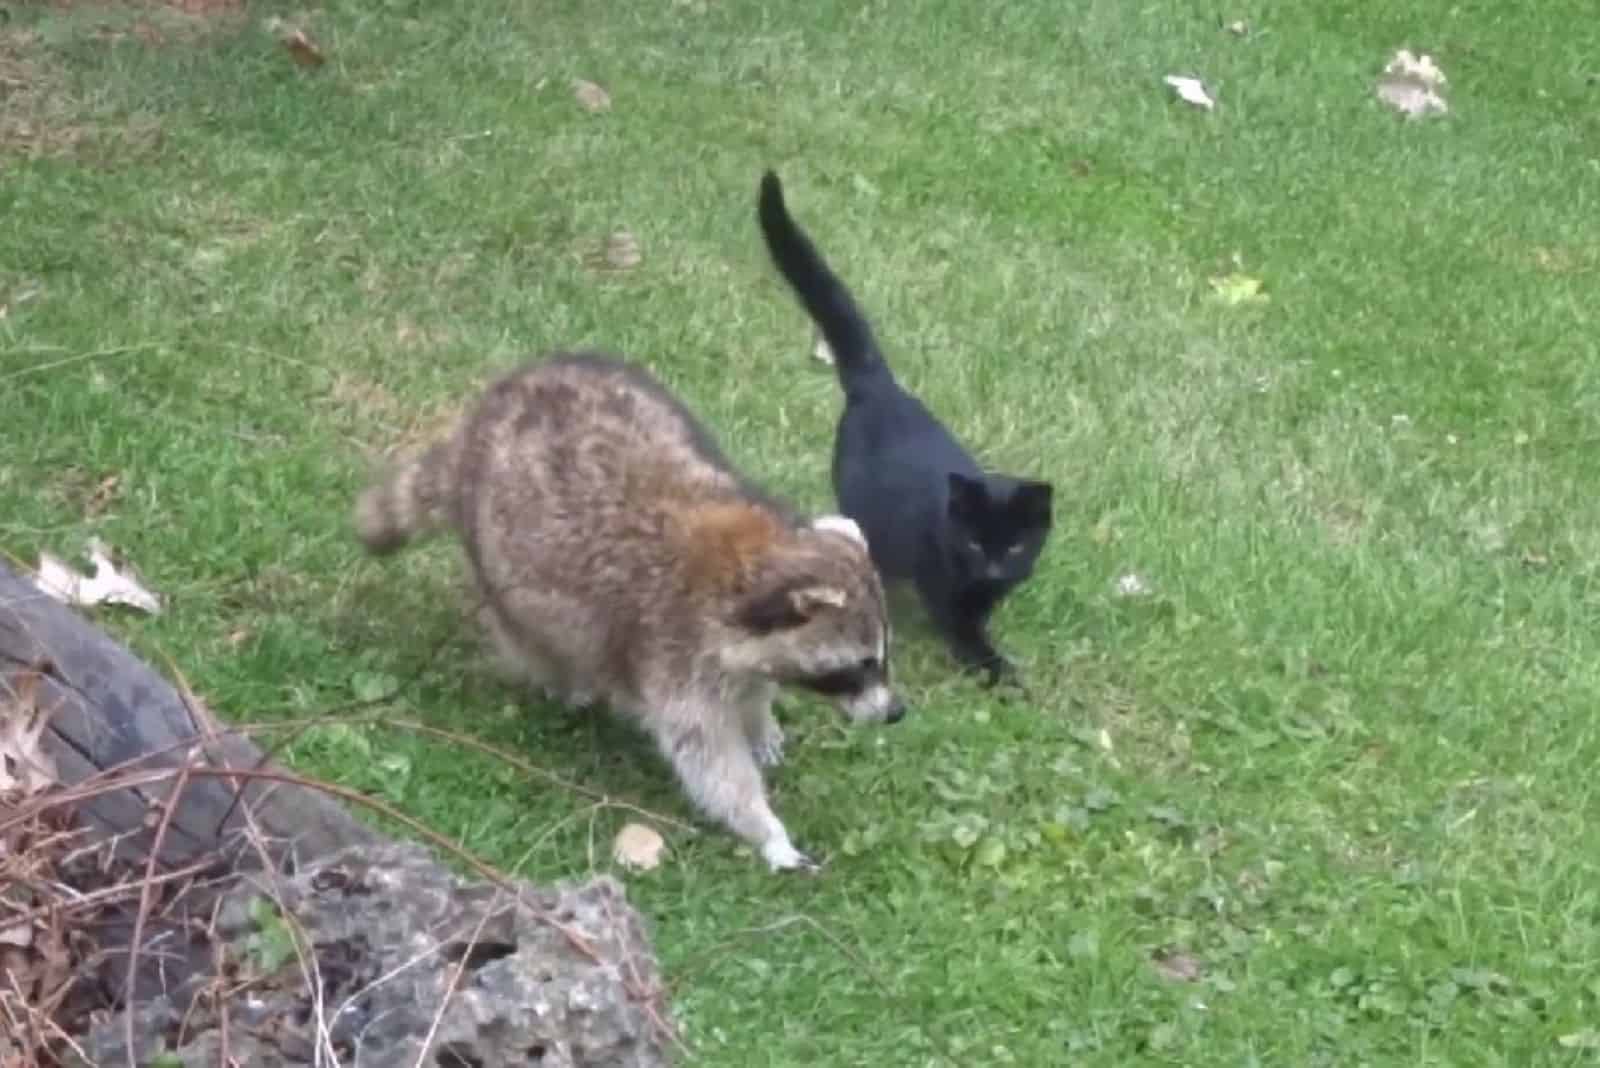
931 515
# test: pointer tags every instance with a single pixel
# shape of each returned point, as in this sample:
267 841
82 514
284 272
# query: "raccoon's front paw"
575 700
781 855
768 748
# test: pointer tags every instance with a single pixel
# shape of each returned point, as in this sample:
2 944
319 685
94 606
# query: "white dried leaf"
821 351
1132 585
638 847
108 585
1411 85
1418 68
24 765
1191 90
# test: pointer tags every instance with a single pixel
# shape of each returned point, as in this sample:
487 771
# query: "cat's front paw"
1002 673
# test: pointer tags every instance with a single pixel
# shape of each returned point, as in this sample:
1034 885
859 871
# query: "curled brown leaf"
590 96
1178 966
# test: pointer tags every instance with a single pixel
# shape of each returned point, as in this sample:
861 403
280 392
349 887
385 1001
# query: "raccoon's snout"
875 704
861 692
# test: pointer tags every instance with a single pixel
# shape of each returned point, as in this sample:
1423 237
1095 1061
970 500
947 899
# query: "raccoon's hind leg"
517 661
714 762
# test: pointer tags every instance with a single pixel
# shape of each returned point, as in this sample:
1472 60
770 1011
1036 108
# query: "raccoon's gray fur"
619 556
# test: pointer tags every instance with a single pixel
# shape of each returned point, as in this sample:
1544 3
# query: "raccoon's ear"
787 606
840 524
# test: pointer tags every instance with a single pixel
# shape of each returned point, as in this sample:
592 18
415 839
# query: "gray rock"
562 977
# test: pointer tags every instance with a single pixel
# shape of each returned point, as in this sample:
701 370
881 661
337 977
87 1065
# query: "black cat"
964 538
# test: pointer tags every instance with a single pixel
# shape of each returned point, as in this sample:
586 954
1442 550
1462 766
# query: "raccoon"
618 556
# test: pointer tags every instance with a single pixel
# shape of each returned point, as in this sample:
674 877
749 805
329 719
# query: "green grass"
1342 755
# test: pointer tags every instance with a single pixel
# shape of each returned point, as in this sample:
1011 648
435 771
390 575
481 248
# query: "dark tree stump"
112 709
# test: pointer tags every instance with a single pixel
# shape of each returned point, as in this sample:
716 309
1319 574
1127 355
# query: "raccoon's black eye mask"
842 682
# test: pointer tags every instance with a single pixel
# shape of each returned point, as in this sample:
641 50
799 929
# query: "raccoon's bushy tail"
826 299
409 500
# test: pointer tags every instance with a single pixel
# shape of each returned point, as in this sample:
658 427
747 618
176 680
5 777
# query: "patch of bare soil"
37 118
41 116
188 7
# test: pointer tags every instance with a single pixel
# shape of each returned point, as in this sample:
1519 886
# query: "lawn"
1323 794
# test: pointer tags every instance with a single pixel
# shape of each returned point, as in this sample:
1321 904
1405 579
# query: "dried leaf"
1237 288
591 97
1131 585
1178 966
638 847
19 967
621 251
103 495
1191 90
18 934
1410 84
1100 799
303 49
1588 1038
991 853
24 766
1084 945
108 584
820 349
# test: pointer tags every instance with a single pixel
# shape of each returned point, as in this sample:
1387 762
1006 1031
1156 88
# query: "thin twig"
484 870
106 894
455 978
793 920
40 368
167 811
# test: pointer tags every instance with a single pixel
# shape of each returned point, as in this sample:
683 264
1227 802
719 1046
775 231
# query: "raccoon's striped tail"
408 501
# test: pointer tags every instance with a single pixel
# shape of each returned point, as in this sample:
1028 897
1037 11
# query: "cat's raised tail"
826 299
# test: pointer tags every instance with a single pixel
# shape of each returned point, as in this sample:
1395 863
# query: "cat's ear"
1031 501
967 495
